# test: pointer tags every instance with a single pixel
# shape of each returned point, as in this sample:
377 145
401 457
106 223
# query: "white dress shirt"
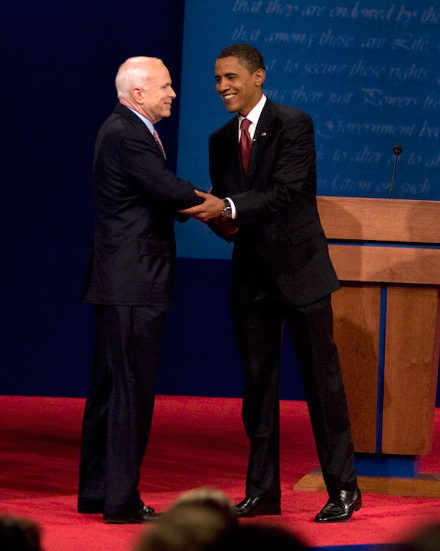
253 116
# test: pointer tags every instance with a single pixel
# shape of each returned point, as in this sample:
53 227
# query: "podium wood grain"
356 331
411 364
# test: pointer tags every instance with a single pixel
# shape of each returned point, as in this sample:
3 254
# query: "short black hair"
247 55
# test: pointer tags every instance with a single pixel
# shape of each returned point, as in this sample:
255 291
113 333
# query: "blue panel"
381 368
366 547
366 73
403 466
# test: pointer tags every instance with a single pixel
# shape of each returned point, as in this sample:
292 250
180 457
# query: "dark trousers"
258 319
119 407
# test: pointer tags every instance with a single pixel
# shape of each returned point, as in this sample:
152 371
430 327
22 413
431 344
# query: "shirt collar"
255 113
143 118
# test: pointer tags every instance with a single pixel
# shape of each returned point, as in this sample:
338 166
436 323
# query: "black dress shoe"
254 506
90 506
340 508
145 515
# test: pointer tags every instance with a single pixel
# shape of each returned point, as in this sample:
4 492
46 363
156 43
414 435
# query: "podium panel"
356 327
411 365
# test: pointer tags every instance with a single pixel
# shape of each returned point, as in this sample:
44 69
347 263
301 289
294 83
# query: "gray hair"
135 71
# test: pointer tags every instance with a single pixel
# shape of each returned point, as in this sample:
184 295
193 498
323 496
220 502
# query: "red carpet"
194 442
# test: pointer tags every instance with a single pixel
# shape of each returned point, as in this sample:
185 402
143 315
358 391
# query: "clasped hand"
210 210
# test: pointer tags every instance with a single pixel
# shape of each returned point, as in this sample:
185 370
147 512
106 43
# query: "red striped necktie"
159 143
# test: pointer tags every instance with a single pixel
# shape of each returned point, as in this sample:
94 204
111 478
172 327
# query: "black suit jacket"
279 226
136 198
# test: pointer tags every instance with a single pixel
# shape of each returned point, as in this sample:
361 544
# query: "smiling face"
158 94
239 89
144 84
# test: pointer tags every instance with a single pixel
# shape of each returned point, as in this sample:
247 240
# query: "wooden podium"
386 253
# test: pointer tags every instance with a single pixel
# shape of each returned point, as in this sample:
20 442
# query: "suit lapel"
234 154
124 111
259 141
262 134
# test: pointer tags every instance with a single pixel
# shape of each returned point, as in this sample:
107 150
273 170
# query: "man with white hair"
136 199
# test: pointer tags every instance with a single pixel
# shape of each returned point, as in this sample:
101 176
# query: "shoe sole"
269 510
128 521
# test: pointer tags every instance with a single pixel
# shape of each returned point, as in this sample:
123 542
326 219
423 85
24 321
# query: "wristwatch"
227 210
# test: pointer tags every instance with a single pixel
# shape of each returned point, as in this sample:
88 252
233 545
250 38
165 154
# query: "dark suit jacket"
136 198
279 226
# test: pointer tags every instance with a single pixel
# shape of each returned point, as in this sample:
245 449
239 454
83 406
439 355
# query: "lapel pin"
263 134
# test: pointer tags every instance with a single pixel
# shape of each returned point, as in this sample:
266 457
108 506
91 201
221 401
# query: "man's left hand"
210 209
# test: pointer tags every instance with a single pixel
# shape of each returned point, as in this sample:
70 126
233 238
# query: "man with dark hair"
249 56
263 172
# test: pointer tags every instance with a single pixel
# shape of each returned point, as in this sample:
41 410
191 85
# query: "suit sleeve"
287 170
126 154
144 167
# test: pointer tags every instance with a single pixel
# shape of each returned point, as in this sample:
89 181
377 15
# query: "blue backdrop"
367 73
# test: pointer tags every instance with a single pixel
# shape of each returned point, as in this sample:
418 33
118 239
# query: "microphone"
397 150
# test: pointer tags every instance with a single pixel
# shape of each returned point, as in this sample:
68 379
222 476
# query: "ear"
259 76
137 95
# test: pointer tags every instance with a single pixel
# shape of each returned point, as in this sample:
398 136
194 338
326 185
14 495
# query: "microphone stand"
397 150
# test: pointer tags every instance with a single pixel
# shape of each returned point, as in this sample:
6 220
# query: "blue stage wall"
366 71
58 86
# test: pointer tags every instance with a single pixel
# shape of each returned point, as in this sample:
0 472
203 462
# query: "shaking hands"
210 210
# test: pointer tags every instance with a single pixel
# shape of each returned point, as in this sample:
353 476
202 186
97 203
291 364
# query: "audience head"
425 539
19 534
207 497
194 522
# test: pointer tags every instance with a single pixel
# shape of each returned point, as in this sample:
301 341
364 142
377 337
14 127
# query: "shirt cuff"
233 209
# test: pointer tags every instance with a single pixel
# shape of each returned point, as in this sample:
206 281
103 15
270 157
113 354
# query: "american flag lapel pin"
262 135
